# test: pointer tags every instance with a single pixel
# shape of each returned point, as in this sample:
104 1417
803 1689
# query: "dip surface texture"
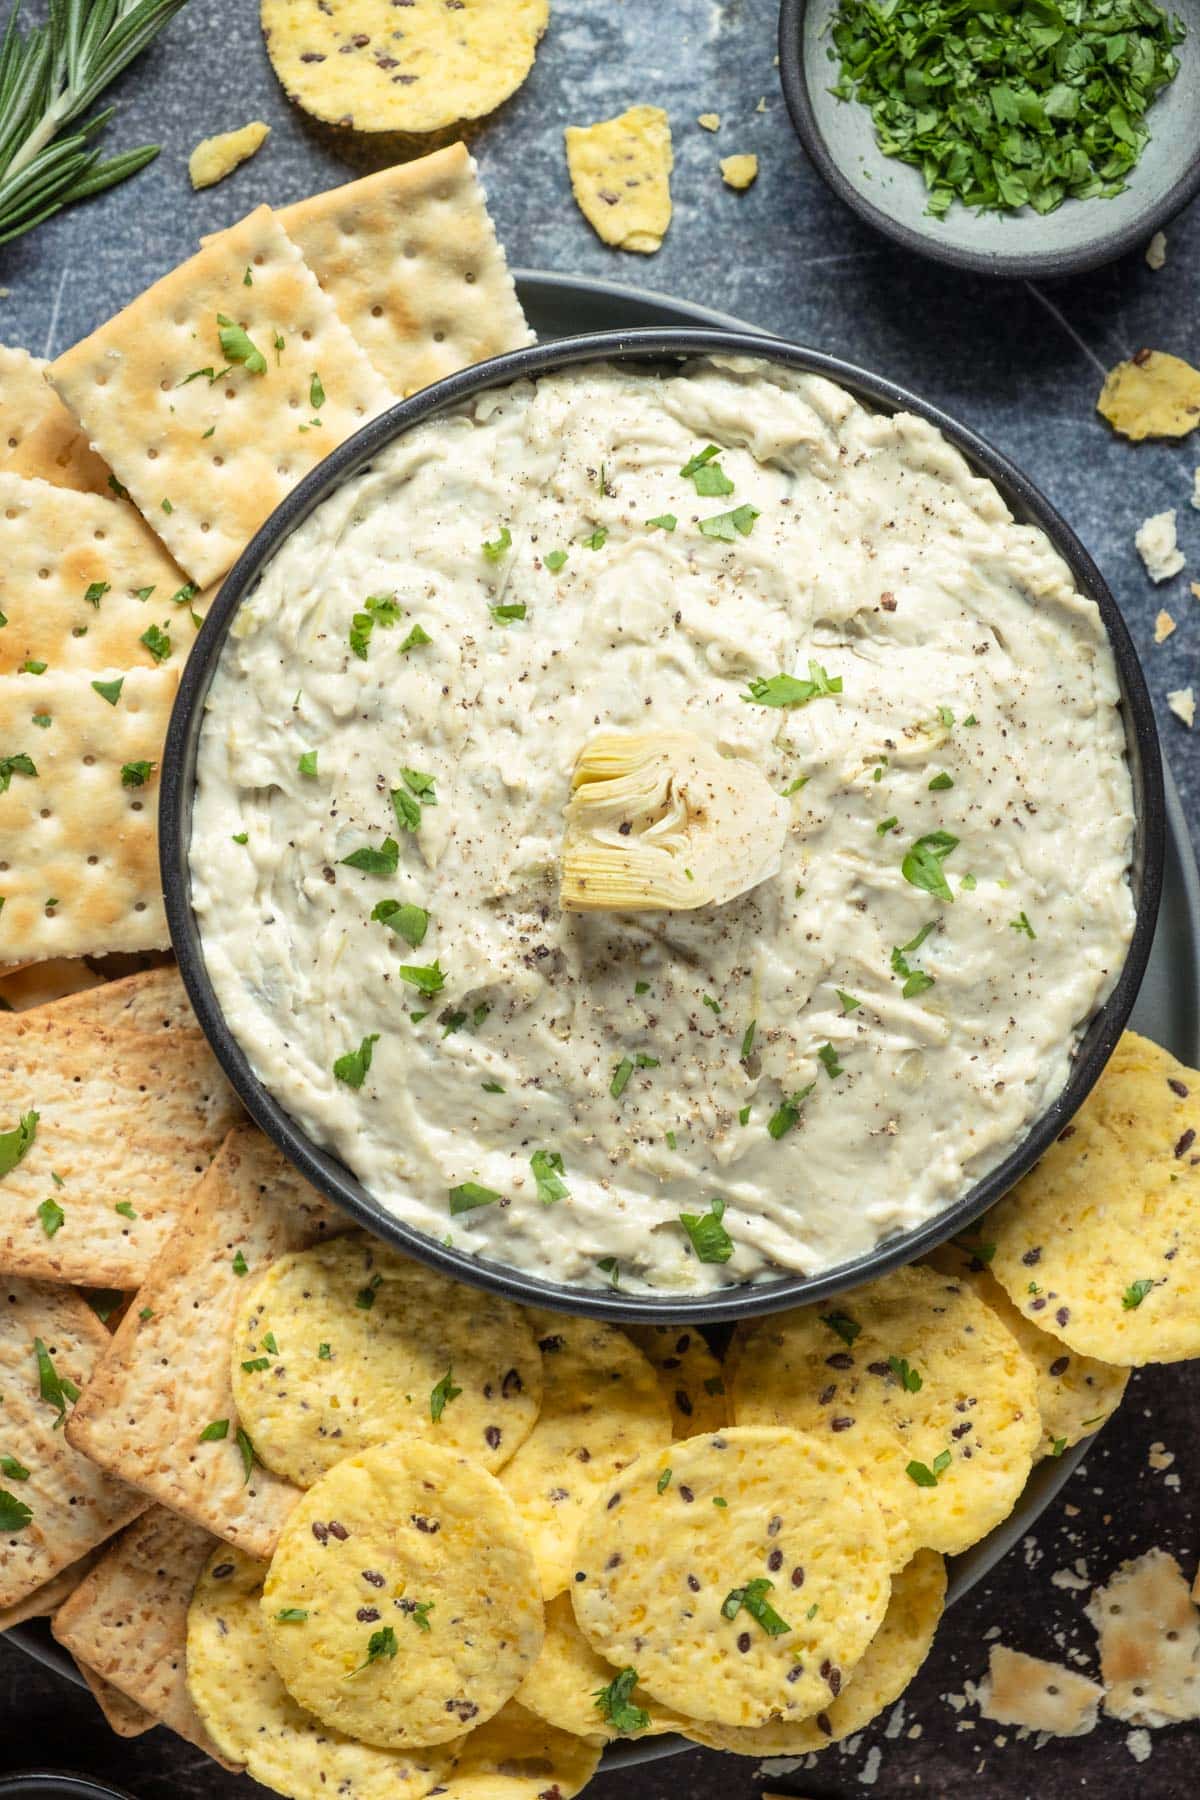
837 1054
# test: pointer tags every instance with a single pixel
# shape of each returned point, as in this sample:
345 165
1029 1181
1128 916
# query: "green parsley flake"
291 1615
238 348
381 1647
96 592
753 1599
509 612
50 1216
710 1240
782 1121
55 1389
1135 1293
729 526
616 1708
416 637
442 1394
136 774
748 1040
940 783
664 521
14 1514
706 474
842 1325
548 1172
470 1194
791 690
352 1067
307 763
157 642
125 1209
829 1061
427 978
886 825
13 1470
20 764
495 550
402 916
620 1080
597 540
316 393
926 1476
240 1265
16 1143
247 1449
554 560
382 861
664 1481
915 980
1021 923
364 1300
922 865
906 1375
848 1002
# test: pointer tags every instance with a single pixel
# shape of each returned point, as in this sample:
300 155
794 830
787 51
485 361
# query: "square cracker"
54 545
74 833
125 1118
75 1505
127 1620
56 450
128 385
123 1715
412 263
166 1376
25 397
46 1599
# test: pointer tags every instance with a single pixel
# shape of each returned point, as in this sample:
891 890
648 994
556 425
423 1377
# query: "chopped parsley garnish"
241 837
597 540
378 609
125 1209
748 1040
20 764
55 1389
509 612
663 1482
1021 923
364 1300
419 1611
324 1353
922 865
615 1707
782 1121
306 763
316 393
753 1599
790 690
714 1006
829 1061
1135 1293
383 861
848 1002
419 790
269 1343
13 1470
31 665
256 1364
96 592
707 475
926 1477
427 978
1058 1446
940 783
238 348
50 1216
15 1144
381 1647
701 459
842 1325
247 1450
664 521
442 1393
470 1194
886 825
968 883
157 642
554 560
42 719
495 550
493 1087
710 1240
352 1067
411 921
729 526
620 1080
548 1172
945 716
136 774
609 1266
291 1615
14 1514
906 1375
416 637
794 787
240 1265
915 980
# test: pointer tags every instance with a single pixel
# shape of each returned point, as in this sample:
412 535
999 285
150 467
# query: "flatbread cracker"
889 1663
516 1756
38 984
56 548
620 175
121 1714
79 869
72 1505
149 1001
601 1407
252 1717
368 1344
742 1575
128 1619
125 1124
1149 1631
286 362
1076 1394
1100 1243
563 1685
165 1377
691 1378
417 1594
411 261
24 397
56 450
1035 1695
362 68
47 1598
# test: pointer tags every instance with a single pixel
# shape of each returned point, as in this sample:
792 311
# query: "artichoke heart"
661 820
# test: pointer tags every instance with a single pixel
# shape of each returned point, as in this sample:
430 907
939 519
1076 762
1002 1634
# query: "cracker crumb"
710 121
1156 250
1149 1631
762 104
739 171
1157 547
1164 625
869 1773
1182 702
1159 1457
215 157
1195 502
1138 1745
1041 1696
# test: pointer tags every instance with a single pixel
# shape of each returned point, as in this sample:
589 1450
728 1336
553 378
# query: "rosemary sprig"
49 76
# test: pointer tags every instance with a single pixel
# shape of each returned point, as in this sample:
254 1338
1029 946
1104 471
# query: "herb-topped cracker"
363 67
691 1378
159 1409
575 1690
1149 1631
44 1600
620 175
349 1343
919 1385
218 388
402 1602
1100 1243
411 261
56 450
742 1575
252 1717
601 1407
24 397
55 1505
889 1663
516 1756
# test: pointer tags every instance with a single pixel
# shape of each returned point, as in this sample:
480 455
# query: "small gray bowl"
840 140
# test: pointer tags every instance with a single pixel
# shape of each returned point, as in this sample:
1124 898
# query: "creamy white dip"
978 699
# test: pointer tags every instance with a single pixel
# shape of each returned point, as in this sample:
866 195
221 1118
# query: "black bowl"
1082 234
325 1171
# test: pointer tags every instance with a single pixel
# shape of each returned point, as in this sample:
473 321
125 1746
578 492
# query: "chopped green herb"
748 1040
610 1267
790 690
848 1002
710 1240
14 1514
157 642
316 393
383 861
324 1353
829 1061
50 1215
620 1080
291 1615
12 1469
15 1144
96 592
352 1067
442 1394
256 1364
781 1122
427 978
1021 923
1058 1446
753 1599
125 1209
419 1611
729 526
926 1477
886 825
664 521
55 1389
247 1450
713 1006
795 786
237 347
307 762
241 837
381 1647
136 774
468 1195
364 1300
616 1708
940 783
402 916
20 764
664 1481
495 550
922 865
510 611
707 474
916 980
240 1265
1135 1293
416 637
42 719
493 1087
968 883
554 560
905 1374
842 1325
548 1172
699 461
597 540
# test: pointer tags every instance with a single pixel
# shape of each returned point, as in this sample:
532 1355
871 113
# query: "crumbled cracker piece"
1196 503
710 121
216 157
1151 395
1149 1630
1182 702
1041 1696
1164 625
1157 547
620 175
1156 250
739 171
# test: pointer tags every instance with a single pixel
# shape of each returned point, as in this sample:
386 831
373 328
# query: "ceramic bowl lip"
657 346
1103 247
54 1784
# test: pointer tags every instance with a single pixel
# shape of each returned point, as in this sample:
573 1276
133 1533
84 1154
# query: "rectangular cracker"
56 450
55 545
25 397
128 386
37 984
151 1000
166 1375
126 1119
49 1596
75 833
410 259
75 1505
128 1619
122 1715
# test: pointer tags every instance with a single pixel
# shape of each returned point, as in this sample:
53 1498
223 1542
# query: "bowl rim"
324 1170
1105 247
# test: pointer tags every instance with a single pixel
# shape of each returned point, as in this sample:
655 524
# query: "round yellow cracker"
837 1368
422 1611
362 1339
562 1685
402 65
891 1660
517 1756
601 1407
689 1375
252 1718
664 1552
1076 1394
1114 1205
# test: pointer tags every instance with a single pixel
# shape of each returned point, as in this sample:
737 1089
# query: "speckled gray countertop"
1023 366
